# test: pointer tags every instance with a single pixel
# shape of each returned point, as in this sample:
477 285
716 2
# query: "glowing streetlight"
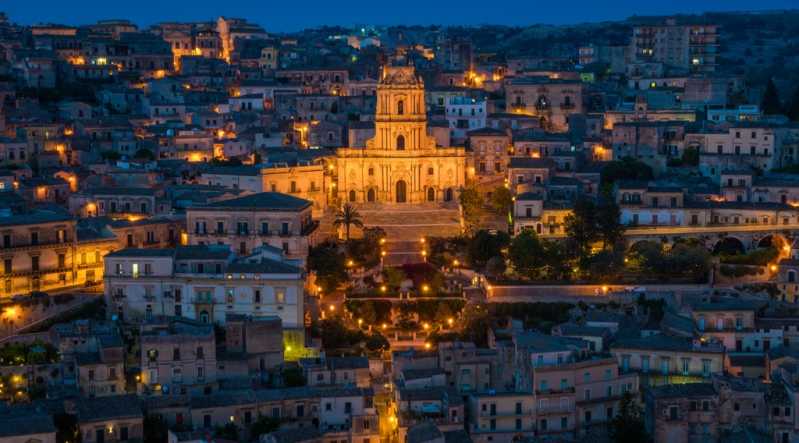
456 262
450 321
428 346
332 308
350 263
425 288
384 326
383 288
360 321
426 326
773 268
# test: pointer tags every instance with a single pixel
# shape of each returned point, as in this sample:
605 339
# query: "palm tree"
347 216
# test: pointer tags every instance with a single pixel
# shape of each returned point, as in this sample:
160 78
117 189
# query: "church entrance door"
401 191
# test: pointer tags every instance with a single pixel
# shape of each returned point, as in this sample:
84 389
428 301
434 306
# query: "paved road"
574 293
693 230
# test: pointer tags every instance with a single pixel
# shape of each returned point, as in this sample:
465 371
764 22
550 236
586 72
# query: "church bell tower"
401 118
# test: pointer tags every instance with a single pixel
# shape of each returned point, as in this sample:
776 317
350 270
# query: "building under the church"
401 164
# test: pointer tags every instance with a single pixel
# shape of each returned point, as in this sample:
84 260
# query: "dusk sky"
295 15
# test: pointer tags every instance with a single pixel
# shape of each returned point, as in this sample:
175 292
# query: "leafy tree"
156 429
690 156
628 426
471 205
293 377
329 265
110 155
485 245
556 260
394 277
501 200
495 266
263 425
348 216
336 335
627 168
368 313
526 253
581 227
68 431
771 99
376 342
144 154
476 321
609 228
229 432
443 312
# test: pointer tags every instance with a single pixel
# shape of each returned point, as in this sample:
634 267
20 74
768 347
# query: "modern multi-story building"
689 47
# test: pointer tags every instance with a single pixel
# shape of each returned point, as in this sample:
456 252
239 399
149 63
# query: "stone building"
401 164
268 218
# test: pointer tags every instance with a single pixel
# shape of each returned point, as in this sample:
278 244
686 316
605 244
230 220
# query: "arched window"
791 277
352 196
370 195
448 194
431 194
400 107
400 143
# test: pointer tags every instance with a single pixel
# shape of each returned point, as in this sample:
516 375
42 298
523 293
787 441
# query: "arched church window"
352 196
400 143
400 107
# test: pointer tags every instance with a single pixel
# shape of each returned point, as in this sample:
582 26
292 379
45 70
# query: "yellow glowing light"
138 377
426 326
382 241
195 157
423 240
220 133
773 268
383 288
350 263
450 321
332 308
456 262
604 288
288 348
360 321
382 253
425 288
786 248
384 326
11 311
424 253
68 131
428 346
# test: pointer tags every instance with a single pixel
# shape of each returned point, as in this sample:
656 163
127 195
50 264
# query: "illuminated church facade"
401 164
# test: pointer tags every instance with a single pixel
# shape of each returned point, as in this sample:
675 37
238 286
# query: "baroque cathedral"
401 164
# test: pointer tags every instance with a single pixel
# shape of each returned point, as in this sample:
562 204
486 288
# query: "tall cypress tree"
770 104
793 110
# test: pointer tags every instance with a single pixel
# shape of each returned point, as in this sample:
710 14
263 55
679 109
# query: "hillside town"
213 232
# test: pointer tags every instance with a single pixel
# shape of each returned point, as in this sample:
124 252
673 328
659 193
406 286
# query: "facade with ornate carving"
401 164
